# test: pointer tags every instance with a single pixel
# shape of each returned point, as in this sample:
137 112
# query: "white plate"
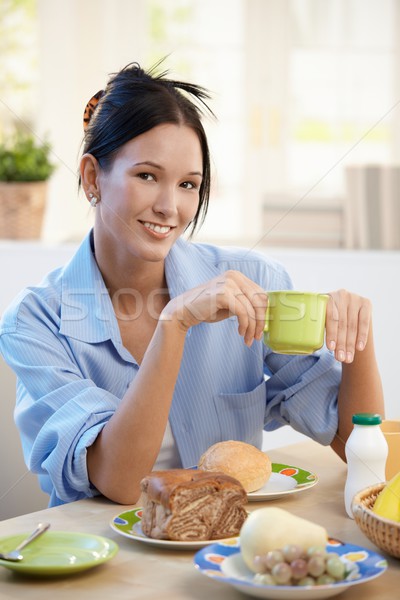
224 563
285 479
128 524
277 484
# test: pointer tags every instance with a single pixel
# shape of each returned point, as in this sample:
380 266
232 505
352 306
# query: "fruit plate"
128 524
284 480
223 562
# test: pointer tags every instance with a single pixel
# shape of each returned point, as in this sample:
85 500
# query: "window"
340 88
18 64
204 42
300 88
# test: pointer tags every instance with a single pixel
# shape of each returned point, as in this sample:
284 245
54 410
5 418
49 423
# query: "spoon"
15 555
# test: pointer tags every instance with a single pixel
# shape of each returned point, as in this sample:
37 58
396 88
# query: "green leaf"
24 158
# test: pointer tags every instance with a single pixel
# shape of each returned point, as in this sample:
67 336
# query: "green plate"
59 553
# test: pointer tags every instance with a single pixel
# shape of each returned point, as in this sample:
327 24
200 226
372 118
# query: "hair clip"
90 108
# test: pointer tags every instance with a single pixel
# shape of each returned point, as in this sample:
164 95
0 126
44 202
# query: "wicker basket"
382 532
22 208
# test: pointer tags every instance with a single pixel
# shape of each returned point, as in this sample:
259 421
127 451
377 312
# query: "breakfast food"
293 565
190 505
239 460
387 503
269 528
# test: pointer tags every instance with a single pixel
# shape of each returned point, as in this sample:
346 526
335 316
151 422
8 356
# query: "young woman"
145 349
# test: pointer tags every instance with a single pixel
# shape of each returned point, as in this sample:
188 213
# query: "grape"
316 551
316 565
264 579
331 555
299 568
307 581
291 552
273 557
325 579
292 565
282 573
259 565
335 567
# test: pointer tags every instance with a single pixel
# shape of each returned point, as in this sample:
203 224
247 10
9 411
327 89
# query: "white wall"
20 265
373 274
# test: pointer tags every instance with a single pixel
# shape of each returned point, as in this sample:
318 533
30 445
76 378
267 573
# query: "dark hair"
135 101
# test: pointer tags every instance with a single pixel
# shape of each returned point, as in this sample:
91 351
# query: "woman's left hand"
348 318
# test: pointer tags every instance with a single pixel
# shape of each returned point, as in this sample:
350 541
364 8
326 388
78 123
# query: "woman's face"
151 193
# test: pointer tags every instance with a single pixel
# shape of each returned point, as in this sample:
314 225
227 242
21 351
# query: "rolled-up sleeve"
58 413
61 404
302 391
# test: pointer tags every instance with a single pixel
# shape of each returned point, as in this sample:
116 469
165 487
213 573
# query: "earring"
93 200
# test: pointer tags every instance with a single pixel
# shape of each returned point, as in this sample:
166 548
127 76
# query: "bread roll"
190 505
239 460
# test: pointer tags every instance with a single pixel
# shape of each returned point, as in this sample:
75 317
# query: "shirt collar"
87 313
86 309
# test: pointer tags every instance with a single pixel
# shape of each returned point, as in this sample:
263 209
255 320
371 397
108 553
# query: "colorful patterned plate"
224 563
285 479
128 525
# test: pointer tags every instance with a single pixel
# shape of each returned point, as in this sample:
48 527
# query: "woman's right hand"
229 294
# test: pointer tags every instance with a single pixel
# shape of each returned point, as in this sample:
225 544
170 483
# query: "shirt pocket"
241 416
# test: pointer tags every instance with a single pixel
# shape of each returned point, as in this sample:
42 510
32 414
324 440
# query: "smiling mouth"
156 228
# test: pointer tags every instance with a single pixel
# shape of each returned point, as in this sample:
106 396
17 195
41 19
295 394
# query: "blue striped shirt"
62 339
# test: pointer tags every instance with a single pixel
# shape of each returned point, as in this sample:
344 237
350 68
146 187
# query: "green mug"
295 321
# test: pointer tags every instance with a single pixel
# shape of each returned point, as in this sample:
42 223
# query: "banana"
387 504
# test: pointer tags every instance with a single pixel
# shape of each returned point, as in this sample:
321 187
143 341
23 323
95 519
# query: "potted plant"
25 168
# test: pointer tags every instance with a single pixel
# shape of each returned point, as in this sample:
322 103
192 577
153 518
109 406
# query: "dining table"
143 571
